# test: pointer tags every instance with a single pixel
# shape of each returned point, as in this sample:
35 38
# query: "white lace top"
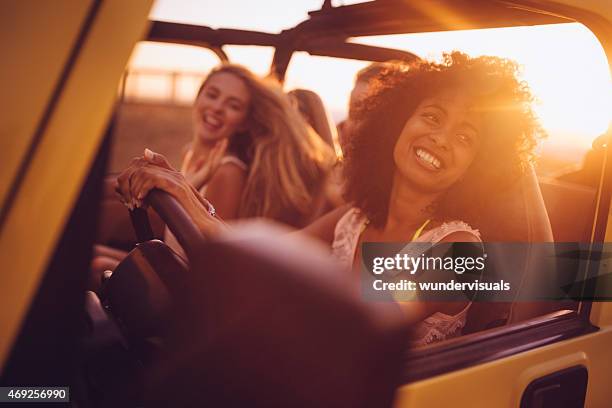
439 326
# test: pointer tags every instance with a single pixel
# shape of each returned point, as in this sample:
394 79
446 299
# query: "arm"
154 171
323 228
225 190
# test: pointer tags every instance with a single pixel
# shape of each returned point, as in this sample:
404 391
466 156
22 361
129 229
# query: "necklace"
419 231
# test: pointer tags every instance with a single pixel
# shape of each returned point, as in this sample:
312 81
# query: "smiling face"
438 142
221 108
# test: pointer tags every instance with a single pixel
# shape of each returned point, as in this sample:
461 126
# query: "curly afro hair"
508 136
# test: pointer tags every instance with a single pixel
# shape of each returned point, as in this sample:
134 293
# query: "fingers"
122 187
124 182
143 181
127 191
205 166
200 162
220 147
157 159
137 161
217 154
194 176
207 171
150 177
214 155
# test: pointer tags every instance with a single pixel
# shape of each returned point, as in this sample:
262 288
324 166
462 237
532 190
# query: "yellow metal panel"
36 38
601 314
501 383
54 178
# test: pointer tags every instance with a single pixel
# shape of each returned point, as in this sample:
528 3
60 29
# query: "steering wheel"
141 290
173 214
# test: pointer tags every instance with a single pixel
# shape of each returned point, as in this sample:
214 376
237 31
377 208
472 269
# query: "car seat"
516 215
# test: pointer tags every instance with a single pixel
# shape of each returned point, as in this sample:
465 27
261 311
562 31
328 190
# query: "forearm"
198 209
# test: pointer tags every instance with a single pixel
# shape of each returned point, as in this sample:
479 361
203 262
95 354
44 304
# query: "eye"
432 118
211 94
465 138
235 106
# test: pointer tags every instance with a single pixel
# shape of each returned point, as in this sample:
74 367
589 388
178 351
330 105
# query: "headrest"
571 208
518 214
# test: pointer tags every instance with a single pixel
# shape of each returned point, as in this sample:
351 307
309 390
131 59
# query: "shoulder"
228 180
230 170
233 161
461 236
225 189
454 231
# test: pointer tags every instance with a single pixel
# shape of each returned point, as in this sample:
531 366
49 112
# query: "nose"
218 106
440 139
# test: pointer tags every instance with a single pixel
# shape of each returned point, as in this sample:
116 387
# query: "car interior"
163 330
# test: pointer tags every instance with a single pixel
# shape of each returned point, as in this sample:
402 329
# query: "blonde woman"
251 154
272 166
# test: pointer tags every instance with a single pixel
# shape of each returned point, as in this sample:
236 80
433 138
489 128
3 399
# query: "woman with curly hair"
432 144
456 131
431 141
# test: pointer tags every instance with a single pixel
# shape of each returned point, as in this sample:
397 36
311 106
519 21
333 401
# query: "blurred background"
563 64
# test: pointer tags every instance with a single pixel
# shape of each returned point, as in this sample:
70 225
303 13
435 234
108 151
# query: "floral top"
439 326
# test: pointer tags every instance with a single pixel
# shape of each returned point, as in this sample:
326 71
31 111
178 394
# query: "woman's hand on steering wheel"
154 171
146 173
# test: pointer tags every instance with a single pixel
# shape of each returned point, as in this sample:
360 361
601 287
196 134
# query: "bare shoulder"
228 174
225 188
461 236
324 227
229 170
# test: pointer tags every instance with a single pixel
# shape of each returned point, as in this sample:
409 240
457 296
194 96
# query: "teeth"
428 158
211 120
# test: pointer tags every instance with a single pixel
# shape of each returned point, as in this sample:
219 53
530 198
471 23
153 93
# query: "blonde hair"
288 161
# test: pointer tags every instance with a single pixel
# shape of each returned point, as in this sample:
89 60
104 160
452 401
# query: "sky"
564 65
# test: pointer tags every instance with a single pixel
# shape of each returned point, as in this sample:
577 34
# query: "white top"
227 160
439 326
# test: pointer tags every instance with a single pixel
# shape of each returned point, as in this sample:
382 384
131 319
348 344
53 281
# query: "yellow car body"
62 63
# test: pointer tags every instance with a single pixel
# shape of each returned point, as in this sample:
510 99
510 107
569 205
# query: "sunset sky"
564 64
